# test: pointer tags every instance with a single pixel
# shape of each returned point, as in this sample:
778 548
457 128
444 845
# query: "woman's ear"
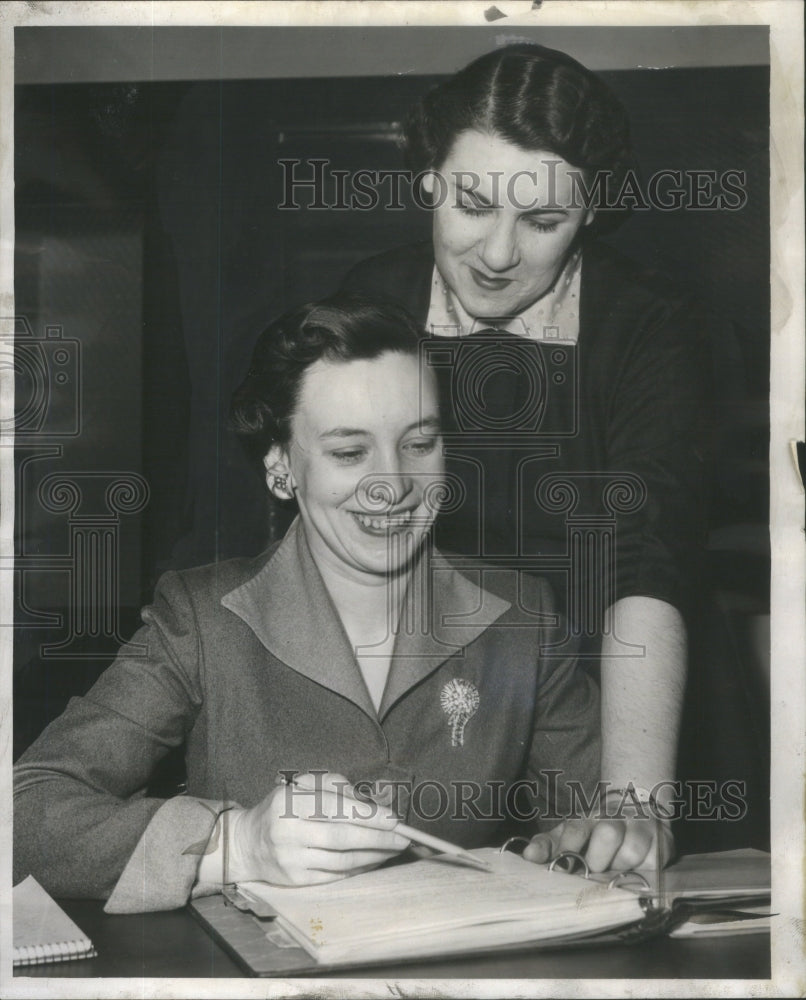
278 473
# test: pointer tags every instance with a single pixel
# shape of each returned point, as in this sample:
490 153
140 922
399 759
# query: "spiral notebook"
42 930
437 907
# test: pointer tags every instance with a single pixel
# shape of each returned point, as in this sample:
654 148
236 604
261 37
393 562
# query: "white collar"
554 317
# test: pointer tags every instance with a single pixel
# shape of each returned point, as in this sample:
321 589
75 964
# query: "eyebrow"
545 211
428 423
342 432
483 202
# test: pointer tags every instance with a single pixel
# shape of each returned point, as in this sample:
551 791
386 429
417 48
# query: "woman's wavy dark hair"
340 328
535 98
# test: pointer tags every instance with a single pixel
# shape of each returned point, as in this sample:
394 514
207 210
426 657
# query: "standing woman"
595 382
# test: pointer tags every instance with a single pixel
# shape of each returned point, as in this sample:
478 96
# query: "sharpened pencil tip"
476 862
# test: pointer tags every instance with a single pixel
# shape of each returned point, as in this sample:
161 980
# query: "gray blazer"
247 664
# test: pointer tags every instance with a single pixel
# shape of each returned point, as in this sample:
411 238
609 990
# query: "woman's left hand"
607 844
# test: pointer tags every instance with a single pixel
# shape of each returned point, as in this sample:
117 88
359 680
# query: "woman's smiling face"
505 221
364 455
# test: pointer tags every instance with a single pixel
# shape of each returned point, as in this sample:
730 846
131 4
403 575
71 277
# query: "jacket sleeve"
565 752
83 824
658 432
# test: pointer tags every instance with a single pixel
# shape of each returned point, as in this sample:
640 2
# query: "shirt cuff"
162 869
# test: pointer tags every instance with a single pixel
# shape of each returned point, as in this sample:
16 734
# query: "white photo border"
788 697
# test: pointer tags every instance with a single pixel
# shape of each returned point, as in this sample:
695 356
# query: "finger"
300 875
662 855
297 802
637 846
336 780
421 851
345 862
575 835
332 781
314 876
543 846
349 837
606 838
365 868
321 796
306 866
328 801
327 781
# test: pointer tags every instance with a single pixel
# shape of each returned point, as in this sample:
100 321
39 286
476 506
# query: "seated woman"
349 652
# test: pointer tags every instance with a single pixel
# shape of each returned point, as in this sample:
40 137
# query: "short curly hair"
340 328
535 98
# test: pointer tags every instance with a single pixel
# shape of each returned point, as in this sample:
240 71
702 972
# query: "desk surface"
172 944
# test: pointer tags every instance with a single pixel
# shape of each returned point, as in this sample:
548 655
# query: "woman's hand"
607 844
310 832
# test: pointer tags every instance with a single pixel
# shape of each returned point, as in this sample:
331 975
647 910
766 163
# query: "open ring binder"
571 856
628 879
512 840
563 856
432 908
620 877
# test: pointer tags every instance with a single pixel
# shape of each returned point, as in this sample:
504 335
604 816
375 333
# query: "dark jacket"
600 485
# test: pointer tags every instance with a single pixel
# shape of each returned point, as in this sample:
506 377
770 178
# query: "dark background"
148 233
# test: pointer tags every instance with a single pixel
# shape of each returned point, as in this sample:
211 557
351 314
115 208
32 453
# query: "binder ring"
572 856
620 876
513 840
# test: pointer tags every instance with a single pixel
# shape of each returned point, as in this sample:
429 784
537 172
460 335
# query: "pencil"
443 846
417 836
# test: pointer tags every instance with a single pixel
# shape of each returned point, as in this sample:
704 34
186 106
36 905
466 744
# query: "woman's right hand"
311 832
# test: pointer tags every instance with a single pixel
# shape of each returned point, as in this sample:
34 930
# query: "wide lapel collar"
443 612
287 606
